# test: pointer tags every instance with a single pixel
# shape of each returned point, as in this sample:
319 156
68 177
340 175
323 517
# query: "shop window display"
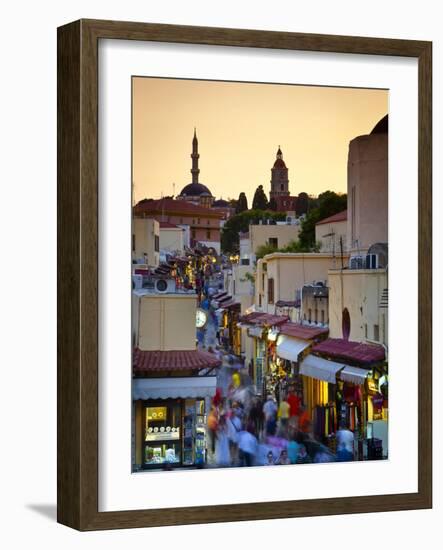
162 434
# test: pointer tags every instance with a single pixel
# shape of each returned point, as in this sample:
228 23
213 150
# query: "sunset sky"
239 128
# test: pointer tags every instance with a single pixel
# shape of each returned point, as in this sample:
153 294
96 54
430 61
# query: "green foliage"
260 201
240 224
242 203
302 204
292 246
327 204
264 249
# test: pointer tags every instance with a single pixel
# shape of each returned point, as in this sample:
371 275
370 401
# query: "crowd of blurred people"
245 430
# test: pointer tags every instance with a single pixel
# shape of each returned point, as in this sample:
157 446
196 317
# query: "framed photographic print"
244 275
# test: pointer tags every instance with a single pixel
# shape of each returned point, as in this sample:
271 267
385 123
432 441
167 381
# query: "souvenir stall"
319 393
355 393
294 343
259 326
170 420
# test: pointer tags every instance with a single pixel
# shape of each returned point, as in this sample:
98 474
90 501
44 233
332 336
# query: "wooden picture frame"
78 273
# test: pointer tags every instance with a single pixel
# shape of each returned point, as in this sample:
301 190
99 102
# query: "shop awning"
189 387
290 348
354 375
256 332
321 369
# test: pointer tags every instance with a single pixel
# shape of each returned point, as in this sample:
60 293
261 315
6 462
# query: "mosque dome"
195 190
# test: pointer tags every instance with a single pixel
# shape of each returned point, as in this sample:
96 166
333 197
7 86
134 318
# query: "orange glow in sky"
239 128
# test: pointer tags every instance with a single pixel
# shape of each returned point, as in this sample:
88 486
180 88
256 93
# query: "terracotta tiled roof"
145 362
172 206
262 319
302 331
337 348
339 217
167 225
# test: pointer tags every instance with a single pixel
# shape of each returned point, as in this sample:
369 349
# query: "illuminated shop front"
171 396
259 325
171 431
287 347
348 386
174 432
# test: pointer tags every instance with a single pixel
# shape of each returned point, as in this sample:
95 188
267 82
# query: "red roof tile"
337 348
145 362
167 225
171 206
339 217
261 319
302 331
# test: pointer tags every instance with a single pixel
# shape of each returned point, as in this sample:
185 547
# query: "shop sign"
162 434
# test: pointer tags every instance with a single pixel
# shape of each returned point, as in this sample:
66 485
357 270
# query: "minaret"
195 156
279 177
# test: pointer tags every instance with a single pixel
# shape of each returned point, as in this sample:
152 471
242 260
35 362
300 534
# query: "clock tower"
279 177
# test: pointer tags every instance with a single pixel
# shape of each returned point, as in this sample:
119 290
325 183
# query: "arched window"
346 324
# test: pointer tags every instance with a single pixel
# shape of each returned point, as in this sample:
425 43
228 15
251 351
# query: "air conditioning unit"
164 286
357 262
137 281
371 261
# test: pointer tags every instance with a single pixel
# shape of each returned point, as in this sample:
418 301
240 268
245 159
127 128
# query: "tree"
260 201
302 204
239 223
328 203
273 205
242 203
264 249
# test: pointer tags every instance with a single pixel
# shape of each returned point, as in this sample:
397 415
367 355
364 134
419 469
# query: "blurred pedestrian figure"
222 454
283 417
293 448
294 409
270 413
247 446
234 428
324 455
304 421
256 415
345 444
212 427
